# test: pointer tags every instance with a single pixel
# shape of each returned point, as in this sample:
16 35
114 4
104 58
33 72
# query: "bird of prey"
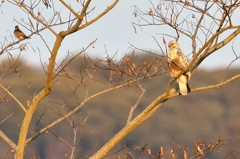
19 34
177 62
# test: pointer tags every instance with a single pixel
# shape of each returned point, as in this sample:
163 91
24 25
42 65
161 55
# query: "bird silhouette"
19 34
46 3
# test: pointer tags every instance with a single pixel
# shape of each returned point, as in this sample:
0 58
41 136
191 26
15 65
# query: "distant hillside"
204 115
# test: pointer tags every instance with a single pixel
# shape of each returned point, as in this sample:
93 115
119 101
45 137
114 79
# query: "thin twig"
8 92
136 104
7 140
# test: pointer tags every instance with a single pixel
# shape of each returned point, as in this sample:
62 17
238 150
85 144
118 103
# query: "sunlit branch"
99 16
208 87
145 115
9 93
74 28
78 107
219 45
70 9
7 140
136 104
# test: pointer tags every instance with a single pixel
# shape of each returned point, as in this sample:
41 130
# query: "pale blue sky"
114 31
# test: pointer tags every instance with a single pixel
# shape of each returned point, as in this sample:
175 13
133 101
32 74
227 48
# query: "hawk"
19 34
177 62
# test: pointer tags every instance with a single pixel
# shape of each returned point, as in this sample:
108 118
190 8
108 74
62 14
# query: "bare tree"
37 23
120 73
188 19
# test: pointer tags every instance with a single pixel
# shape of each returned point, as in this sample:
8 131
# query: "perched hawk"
177 62
19 34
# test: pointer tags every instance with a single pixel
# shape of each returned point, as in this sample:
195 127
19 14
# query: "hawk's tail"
188 88
27 37
183 85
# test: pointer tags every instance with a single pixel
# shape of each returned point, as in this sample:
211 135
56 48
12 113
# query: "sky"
114 33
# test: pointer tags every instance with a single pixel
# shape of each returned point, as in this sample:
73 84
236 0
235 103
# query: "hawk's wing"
181 60
173 68
177 61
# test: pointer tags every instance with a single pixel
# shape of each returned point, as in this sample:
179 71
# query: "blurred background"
203 116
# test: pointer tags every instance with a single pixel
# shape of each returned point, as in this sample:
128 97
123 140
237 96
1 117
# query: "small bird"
19 34
177 62
46 3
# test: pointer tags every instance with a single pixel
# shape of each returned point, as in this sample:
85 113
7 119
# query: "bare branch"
23 6
145 115
77 108
70 9
99 16
7 140
9 93
136 104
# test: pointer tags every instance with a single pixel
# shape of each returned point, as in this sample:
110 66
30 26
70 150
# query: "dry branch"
9 93
7 140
